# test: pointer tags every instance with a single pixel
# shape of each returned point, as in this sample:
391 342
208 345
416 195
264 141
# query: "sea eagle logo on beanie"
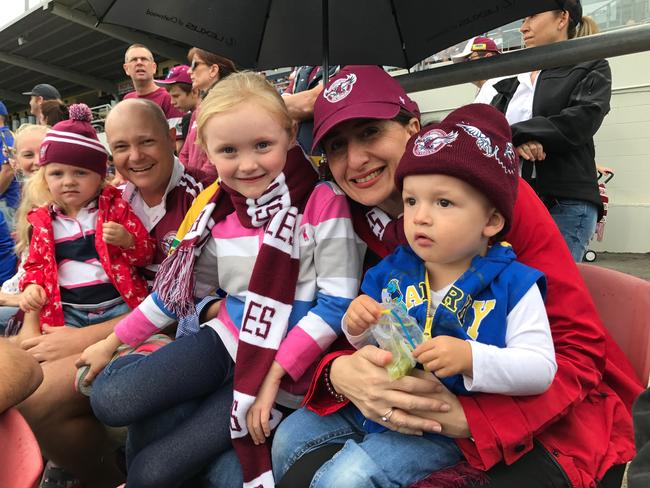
484 143
43 151
433 141
340 89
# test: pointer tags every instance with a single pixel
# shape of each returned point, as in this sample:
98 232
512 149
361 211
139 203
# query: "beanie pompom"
80 112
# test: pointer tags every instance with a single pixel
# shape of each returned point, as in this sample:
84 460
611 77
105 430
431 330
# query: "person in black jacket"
554 115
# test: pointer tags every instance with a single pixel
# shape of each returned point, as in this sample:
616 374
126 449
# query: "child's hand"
362 313
258 416
97 357
445 356
32 298
117 235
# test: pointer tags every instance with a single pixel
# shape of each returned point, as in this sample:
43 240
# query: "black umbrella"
266 34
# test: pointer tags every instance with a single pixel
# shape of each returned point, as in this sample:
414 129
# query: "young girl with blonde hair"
283 250
85 241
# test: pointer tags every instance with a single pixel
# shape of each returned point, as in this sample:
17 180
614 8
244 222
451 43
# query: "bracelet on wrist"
340 398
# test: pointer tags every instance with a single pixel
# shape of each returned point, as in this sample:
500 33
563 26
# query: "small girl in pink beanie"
86 242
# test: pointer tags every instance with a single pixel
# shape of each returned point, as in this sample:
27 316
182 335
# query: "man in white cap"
478 48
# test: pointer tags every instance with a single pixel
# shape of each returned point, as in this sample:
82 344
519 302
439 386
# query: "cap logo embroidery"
484 143
433 141
340 89
43 151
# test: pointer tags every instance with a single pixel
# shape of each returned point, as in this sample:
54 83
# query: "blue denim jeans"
6 313
384 459
224 472
576 220
75 317
9 215
176 402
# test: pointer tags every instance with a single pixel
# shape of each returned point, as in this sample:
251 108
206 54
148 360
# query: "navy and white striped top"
82 280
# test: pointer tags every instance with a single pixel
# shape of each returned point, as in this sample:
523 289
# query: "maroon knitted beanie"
473 144
75 142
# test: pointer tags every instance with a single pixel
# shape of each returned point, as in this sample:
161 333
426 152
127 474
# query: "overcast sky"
12 9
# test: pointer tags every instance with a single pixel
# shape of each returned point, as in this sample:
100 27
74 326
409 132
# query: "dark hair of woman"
226 66
54 111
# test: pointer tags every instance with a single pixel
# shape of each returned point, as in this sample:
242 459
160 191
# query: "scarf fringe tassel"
175 282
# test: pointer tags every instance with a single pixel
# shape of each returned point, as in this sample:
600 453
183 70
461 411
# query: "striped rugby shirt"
330 271
82 279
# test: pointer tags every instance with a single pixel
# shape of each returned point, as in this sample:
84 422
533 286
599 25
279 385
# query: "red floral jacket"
119 264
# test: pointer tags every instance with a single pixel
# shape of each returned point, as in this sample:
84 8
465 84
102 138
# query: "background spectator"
52 112
206 69
184 97
554 114
38 95
140 66
25 162
9 188
478 48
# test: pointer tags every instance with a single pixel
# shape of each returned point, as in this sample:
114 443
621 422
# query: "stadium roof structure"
58 43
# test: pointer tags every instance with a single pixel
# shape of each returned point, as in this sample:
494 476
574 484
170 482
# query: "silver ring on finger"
386 417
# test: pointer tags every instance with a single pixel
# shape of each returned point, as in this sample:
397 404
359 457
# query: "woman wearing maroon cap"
575 433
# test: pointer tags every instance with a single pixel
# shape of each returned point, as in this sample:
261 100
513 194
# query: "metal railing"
615 14
604 45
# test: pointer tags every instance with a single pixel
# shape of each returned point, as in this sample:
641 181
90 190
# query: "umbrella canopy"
265 34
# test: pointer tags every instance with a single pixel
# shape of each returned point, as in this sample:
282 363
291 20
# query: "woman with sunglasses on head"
578 433
206 69
554 114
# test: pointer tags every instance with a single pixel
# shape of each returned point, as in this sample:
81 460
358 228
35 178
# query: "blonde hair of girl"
24 130
35 194
238 88
30 197
27 128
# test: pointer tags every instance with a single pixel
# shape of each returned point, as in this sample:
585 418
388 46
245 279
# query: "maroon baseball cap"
479 44
359 92
177 74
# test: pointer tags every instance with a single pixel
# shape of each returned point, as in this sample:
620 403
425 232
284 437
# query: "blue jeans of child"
384 459
176 401
6 313
576 220
224 472
75 317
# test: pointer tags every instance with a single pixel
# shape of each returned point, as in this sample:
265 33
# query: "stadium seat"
623 303
20 457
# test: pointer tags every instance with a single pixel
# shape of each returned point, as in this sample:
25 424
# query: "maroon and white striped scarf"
377 229
270 295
